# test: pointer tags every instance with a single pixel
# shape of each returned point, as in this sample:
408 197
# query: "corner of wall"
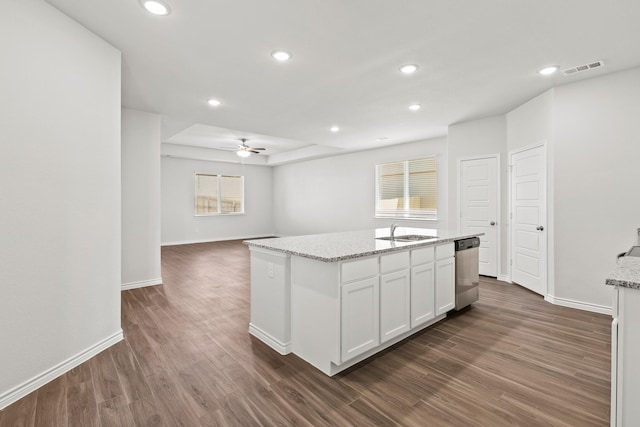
140 181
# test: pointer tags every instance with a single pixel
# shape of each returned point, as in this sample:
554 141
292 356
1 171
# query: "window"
219 194
407 189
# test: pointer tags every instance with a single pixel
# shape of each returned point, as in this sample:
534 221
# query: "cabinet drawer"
422 255
444 251
359 269
394 262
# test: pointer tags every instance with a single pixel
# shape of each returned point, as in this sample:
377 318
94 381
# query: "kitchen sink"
407 238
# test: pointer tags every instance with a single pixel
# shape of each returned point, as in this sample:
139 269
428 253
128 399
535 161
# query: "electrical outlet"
270 270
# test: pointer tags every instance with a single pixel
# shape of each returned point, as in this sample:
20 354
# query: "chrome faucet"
393 230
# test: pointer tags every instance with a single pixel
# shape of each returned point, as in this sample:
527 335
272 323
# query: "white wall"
592 152
179 225
60 196
338 193
531 122
140 199
597 203
481 137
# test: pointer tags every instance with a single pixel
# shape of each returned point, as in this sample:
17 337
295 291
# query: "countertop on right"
627 274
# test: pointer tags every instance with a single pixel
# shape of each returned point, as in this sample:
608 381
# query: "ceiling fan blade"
260 149
228 148
253 151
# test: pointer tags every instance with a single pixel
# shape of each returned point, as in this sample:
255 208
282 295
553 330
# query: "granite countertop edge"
411 245
349 253
626 275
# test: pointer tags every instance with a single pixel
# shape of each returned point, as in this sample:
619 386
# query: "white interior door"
529 217
479 207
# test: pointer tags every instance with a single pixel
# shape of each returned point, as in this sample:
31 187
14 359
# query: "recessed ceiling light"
415 107
281 55
382 138
156 7
213 102
546 71
335 129
409 68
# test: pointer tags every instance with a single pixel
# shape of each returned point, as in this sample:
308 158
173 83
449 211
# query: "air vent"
585 67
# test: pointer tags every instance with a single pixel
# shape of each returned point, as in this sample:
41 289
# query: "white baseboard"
505 278
280 347
602 309
334 369
141 284
564 302
20 391
222 239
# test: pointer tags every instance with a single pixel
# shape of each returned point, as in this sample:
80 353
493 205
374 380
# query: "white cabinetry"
625 358
270 298
422 285
360 320
445 278
343 312
359 307
395 295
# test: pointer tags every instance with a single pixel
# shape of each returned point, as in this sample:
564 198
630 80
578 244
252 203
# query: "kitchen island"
336 299
625 346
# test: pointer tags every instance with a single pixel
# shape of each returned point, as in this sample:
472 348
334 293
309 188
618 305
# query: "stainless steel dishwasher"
467 277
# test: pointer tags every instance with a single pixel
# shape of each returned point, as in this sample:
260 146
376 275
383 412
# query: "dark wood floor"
188 360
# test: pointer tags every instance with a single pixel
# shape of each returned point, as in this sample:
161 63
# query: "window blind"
407 189
218 194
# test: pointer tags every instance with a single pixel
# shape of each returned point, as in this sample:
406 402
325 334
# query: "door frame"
498 202
510 233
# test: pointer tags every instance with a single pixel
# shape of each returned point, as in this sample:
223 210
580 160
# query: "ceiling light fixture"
214 102
409 68
244 150
243 153
547 71
156 7
415 107
281 55
335 129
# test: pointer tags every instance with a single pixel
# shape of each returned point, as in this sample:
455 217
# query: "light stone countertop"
627 274
333 247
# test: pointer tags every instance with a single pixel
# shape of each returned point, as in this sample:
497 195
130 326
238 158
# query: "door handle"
492 223
539 228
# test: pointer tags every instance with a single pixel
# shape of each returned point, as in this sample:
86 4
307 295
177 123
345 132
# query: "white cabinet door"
395 297
360 328
445 285
422 301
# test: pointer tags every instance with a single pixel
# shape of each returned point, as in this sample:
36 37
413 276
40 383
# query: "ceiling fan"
244 150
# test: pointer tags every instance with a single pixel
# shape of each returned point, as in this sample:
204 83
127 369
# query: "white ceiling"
476 58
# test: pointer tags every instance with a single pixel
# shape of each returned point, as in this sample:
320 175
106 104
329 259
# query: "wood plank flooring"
188 360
